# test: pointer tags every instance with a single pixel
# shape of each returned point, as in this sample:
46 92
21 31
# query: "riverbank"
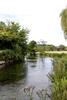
59 79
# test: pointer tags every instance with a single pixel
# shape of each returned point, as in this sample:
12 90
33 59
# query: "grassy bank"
53 53
59 79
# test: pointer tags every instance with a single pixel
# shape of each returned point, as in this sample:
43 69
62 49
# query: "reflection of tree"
12 73
33 64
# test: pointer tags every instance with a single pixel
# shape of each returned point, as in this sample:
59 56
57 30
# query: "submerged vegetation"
29 92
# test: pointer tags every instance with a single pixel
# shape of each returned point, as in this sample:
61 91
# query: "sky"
41 17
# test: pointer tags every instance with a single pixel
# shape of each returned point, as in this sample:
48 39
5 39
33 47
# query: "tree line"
14 45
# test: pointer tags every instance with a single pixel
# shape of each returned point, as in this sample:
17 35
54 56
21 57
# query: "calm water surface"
33 74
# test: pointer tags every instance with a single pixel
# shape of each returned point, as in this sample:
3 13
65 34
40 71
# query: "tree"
14 37
63 16
61 48
32 48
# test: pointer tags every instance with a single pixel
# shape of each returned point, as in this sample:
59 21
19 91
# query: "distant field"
59 52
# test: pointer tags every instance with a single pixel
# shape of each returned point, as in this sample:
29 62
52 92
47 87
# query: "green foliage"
59 79
43 48
54 55
32 48
50 48
61 48
14 38
64 20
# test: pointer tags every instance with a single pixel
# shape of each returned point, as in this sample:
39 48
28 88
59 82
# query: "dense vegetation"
32 49
59 79
59 74
13 41
47 47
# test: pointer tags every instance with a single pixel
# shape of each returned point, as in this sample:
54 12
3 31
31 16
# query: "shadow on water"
12 73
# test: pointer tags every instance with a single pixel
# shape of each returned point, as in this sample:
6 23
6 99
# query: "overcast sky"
41 17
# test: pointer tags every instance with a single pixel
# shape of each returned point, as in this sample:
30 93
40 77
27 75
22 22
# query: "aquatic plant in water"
42 94
29 92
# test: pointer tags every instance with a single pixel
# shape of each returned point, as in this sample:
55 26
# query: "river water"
34 74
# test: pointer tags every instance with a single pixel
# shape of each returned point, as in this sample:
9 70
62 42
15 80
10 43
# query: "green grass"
58 52
59 79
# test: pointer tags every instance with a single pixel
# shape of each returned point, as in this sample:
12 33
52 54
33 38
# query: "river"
34 74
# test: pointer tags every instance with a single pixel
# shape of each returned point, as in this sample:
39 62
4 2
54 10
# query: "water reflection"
32 64
32 73
37 76
12 73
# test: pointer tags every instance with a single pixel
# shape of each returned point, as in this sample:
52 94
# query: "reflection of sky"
40 16
37 75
